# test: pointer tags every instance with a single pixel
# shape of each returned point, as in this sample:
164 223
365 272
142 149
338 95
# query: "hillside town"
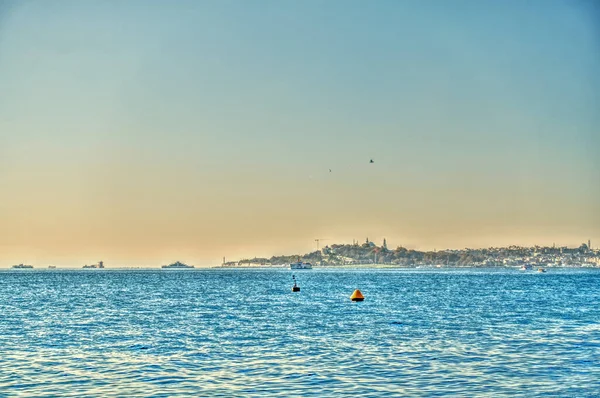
368 253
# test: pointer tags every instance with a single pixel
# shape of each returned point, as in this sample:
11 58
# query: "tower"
589 244
384 244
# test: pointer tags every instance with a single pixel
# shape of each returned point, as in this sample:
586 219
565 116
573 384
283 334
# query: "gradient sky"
144 132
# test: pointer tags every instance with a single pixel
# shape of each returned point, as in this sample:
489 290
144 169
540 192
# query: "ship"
52 266
99 265
22 266
177 265
300 265
526 267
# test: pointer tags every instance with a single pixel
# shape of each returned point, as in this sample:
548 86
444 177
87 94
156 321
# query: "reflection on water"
244 333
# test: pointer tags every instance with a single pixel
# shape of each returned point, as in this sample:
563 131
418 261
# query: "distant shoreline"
325 267
368 254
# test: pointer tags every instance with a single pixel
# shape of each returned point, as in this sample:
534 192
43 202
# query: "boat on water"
99 265
526 267
177 265
52 266
22 266
300 265
541 270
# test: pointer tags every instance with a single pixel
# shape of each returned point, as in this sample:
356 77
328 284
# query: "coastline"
316 267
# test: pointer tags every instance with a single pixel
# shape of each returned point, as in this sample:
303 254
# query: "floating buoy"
357 296
295 288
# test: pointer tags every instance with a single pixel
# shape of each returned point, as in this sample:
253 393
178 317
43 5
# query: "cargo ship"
22 266
99 265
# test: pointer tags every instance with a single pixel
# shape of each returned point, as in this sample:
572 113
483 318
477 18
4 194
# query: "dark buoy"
295 288
357 296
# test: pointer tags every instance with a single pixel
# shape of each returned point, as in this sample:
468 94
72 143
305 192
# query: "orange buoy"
357 296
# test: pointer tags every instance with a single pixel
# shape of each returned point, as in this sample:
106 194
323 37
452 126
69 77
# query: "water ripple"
244 333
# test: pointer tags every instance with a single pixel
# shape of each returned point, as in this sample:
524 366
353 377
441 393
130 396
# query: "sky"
144 132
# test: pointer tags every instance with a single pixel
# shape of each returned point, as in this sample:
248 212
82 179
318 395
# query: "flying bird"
371 161
330 170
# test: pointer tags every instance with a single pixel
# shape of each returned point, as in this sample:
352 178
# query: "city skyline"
141 132
154 263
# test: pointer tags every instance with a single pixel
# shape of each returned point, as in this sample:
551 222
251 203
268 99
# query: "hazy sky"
144 132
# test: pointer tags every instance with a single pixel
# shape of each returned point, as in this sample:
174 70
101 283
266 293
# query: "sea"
244 333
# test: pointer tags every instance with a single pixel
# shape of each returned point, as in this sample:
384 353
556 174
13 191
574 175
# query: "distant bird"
371 161
330 170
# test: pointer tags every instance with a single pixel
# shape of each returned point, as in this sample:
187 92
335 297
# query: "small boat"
22 266
177 265
300 265
525 268
52 266
541 270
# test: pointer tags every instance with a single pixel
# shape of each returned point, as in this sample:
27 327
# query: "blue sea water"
467 332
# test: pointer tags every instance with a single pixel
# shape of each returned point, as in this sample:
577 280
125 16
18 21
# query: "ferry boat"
52 266
22 266
300 265
177 265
